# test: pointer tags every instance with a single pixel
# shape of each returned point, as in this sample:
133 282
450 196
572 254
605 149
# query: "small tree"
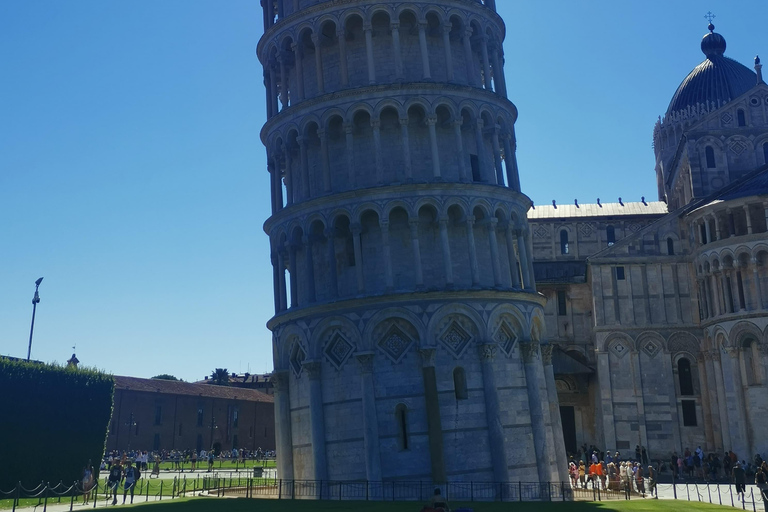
165 376
220 377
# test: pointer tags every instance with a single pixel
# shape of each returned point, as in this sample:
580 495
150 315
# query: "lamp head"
37 283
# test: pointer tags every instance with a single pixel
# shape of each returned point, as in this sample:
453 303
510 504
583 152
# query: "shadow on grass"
251 505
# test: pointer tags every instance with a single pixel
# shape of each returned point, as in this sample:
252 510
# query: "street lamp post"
35 300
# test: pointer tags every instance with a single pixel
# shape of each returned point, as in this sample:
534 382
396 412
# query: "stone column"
676 436
272 184
280 380
323 135
749 219
406 149
472 251
497 156
513 179
299 64
289 182
523 253
486 62
370 419
350 150
480 142
637 382
283 79
317 420
446 247
319 64
294 274
434 422
310 264
706 403
714 401
369 53
356 230
273 88
718 231
734 400
431 121
278 183
514 272
496 440
306 190
397 52
460 157
469 58
387 254
529 352
703 296
606 400
376 125
495 260
276 281
426 75
722 408
498 71
341 35
758 287
707 230
414 225
330 235
282 288
448 54
561 458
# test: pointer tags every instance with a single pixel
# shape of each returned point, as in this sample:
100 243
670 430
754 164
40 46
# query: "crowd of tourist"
592 468
182 460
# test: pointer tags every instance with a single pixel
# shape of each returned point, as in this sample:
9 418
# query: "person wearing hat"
739 477
131 476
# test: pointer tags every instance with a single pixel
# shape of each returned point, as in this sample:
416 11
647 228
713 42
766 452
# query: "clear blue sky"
132 176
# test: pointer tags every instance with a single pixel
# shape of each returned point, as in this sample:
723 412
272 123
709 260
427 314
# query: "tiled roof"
185 388
597 210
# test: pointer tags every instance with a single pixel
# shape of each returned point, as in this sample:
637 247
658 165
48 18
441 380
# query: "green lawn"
219 465
248 505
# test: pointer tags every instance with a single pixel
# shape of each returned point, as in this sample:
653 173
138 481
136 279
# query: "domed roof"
717 79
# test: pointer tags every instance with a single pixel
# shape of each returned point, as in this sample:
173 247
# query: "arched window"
765 151
460 383
685 377
564 249
401 419
741 118
610 232
710 153
670 246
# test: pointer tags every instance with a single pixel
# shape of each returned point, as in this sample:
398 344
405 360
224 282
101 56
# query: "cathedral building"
409 338
658 311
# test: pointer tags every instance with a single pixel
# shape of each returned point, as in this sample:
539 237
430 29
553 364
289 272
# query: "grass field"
248 505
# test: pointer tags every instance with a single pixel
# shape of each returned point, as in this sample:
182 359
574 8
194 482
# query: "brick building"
154 414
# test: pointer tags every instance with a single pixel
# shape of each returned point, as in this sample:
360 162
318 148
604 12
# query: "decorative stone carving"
297 357
487 351
395 343
366 361
338 349
619 348
683 342
456 338
651 348
586 229
280 381
529 351
506 338
313 368
546 354
428 357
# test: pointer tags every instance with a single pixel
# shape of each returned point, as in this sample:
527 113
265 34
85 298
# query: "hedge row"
52 421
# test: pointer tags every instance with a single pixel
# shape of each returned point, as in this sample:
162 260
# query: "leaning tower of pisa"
407 331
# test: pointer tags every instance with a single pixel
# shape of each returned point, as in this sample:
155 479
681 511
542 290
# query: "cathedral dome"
717 79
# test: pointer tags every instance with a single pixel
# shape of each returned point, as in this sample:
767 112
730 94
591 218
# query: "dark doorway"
568 417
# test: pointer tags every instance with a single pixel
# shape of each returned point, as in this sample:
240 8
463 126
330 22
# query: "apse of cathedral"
657 309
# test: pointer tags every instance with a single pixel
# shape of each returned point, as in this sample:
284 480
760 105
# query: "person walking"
113 481
761 480
652 482
87 482
131 476
582 474
739 477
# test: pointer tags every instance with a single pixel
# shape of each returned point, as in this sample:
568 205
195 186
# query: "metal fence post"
45 491
519 490
161 490
72 496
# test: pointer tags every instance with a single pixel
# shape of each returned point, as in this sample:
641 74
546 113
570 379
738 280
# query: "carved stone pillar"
749 219
426 75
317 420
472 251
446 247
498 71
431 121
356 230
495 260
291 248
414 225
323 135
469 58
513 264
497 156
758 287
370 419
310 265
319 64
406 149
343 66
369 53
283 79
481 157
350 150
522 249
721 399
561 458
486 62
397 52
280 380
446 29
281 280
734 400
289 178
299 65
330 235
376 125
434 422
276 281
387 254
529 352
496 440
606 400
306 190
460 156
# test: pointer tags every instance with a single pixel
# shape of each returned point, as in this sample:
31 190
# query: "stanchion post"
161 490
72 496
45 492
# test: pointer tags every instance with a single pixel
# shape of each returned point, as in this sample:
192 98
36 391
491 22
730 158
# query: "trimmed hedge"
52 420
